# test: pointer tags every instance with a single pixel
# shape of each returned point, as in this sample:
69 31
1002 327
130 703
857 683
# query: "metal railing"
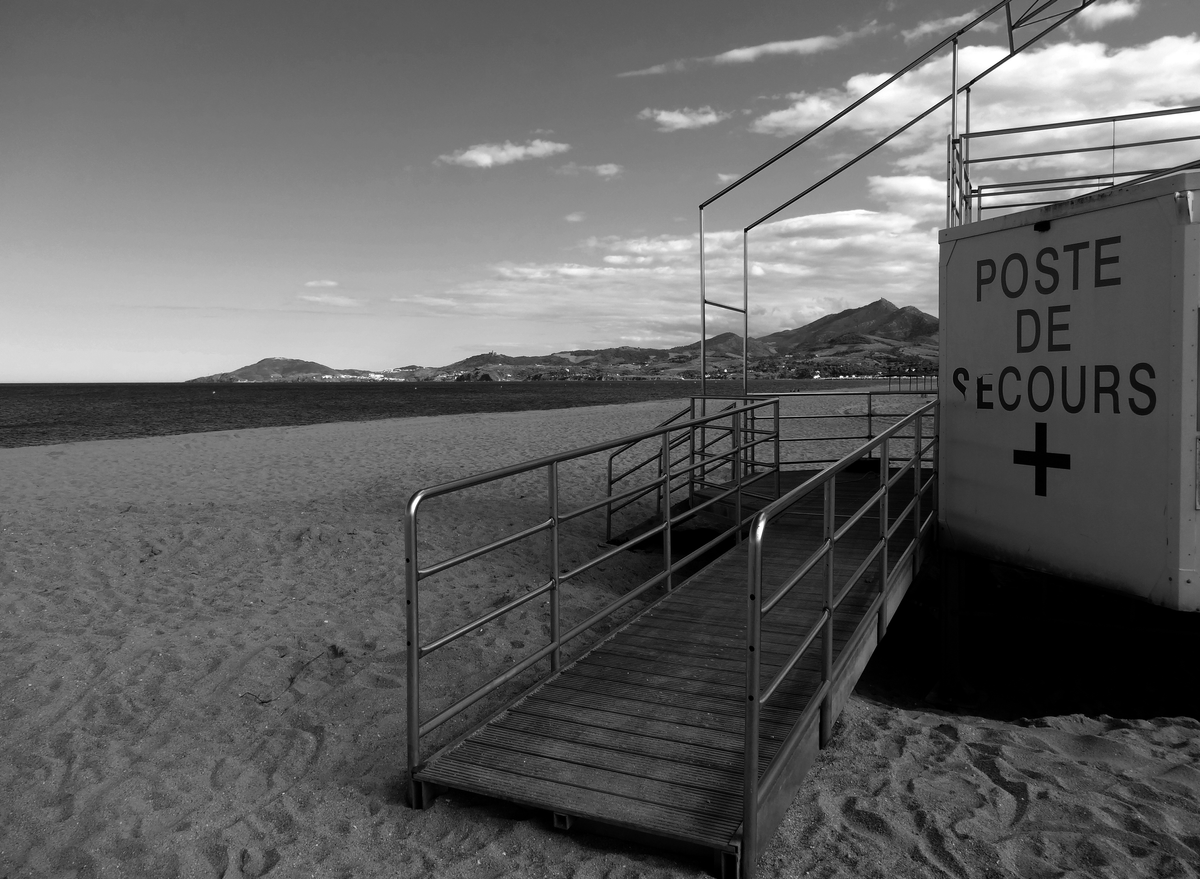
1023 29
747 427
970 199
705 444
793 430
797 428
919 516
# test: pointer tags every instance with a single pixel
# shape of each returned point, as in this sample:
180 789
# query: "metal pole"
664 467
917 485
778 452
870 416
552 492
608 513
884 467
745 313
413 650
827 635
736 465
703 305
966 158
753 707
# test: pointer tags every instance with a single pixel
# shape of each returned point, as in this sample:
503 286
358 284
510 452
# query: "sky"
189 187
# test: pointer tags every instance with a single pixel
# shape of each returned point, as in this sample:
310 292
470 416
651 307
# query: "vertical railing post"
870 416
745 313
608 513
830 529
778 452
884 472
917 440
753 707
703 314
736 464
555 632
413 650
664 468
692 459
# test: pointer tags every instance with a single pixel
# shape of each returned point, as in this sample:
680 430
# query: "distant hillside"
880 319
286 369
874 338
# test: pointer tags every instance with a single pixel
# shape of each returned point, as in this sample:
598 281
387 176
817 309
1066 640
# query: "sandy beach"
202 674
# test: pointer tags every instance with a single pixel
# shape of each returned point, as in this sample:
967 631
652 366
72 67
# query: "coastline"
173 707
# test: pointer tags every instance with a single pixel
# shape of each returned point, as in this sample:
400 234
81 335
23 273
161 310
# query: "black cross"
1040 459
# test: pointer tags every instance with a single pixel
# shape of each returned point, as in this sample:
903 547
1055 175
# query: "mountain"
880 319
286 369
874 338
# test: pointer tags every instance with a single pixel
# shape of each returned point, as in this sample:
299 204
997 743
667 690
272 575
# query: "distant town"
874 340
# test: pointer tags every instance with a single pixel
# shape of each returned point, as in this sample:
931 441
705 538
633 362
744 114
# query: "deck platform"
643 734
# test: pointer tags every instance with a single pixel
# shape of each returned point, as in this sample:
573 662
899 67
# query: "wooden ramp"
643 735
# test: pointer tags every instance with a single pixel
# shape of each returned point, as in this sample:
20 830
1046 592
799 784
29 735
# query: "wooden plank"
619 811
644 732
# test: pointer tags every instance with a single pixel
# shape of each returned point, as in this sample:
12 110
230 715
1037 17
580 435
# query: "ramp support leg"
725 865
421 794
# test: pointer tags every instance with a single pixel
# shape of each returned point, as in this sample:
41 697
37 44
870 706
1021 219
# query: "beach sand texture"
202 674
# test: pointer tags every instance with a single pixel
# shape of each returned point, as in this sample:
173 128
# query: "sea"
41 414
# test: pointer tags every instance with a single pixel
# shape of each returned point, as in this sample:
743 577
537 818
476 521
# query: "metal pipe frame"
736 412
1027 19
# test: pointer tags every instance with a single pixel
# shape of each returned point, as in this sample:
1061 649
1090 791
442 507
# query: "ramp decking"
644 733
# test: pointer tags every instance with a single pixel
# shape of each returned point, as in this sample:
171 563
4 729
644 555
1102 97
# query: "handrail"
872 415
923 463
1033 15
739 423
970 197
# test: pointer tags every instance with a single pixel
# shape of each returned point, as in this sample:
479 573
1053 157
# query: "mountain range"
879 337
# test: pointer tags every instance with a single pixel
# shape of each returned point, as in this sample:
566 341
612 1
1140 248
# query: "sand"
202 674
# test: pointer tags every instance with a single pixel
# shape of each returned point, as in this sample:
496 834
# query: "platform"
643 734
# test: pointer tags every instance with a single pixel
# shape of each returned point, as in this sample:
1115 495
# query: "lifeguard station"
684 710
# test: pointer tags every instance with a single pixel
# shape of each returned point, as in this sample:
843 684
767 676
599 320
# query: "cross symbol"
1040 459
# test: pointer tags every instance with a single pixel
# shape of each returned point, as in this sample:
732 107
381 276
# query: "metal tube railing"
1091 182
834 594
729 422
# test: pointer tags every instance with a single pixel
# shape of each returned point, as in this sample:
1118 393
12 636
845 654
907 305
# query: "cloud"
334 299
1089 80
943 27
489 155
750 54
640 290
726 178
320 283
575 217
678 120
607 171
1099 15
915 195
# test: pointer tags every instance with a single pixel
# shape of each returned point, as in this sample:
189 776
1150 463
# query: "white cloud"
686 118
606 171
749 54
914 195
1089 80
489 155
726 178
641 290
943 27
320 283
334 299
575 217
1099 15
